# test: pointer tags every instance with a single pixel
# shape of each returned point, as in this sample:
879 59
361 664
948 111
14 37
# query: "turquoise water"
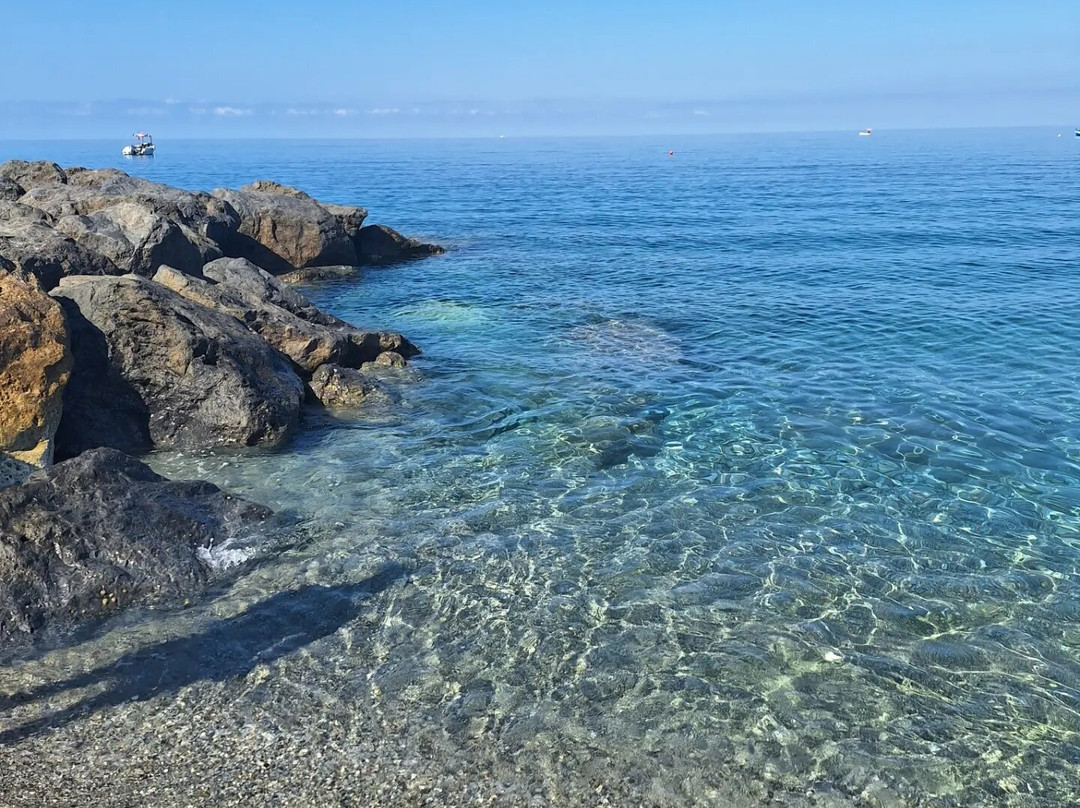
723 476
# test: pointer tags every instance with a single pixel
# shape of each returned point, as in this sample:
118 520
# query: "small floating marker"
671 154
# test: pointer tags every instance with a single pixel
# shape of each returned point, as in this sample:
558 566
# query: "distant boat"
866 132
1077 133
142 147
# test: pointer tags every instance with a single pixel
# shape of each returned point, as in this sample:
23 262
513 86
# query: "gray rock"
282 229
138 240
33 174
345 388
306 344
29 240
89 536
262 292
10 190
378 244
35 362
350 217
88 192
155 370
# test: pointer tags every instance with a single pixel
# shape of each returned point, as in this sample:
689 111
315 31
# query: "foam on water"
722 478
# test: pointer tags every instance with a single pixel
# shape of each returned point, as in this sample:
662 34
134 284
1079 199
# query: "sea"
737 470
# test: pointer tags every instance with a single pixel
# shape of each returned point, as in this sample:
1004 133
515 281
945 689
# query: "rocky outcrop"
95 533
282 229
33 174
30 242
35 362
281 315
153 369
378 244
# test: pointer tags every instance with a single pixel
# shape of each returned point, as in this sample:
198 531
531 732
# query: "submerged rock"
29 240
345 388
155 370
95 533
282 229
311 274
35 362
379 244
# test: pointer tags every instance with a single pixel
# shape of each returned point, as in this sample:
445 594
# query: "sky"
236 68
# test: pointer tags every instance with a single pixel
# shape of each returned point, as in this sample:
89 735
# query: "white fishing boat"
142 147
1077 133
866 132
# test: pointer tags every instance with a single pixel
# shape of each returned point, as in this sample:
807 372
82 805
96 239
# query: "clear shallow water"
722 477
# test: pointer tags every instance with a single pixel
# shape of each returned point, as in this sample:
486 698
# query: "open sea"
744 476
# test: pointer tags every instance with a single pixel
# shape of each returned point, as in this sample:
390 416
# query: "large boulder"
379 244
29 240
33 174
155 370
35 362
281 315
138 240
282 229
92 534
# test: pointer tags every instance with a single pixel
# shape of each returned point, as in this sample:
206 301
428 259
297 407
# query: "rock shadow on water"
269 630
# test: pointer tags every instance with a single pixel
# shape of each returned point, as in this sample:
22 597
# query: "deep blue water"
755 463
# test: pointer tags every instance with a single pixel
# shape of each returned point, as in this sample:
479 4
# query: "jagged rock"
30 242
88 192
137 240
33 174
350 217
378 244
344 388
35 362
155 370
10 190
92 534
282 229
282 316
307 344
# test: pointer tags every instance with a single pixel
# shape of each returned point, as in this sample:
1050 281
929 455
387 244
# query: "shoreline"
166 326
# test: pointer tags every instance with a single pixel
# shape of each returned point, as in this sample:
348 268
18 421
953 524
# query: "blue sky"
408 68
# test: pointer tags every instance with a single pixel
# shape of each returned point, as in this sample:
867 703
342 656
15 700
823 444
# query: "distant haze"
340 69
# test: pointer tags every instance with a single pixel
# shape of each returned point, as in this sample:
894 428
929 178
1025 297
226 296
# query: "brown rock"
345 388
35 362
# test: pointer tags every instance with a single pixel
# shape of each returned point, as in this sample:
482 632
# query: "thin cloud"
231 112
